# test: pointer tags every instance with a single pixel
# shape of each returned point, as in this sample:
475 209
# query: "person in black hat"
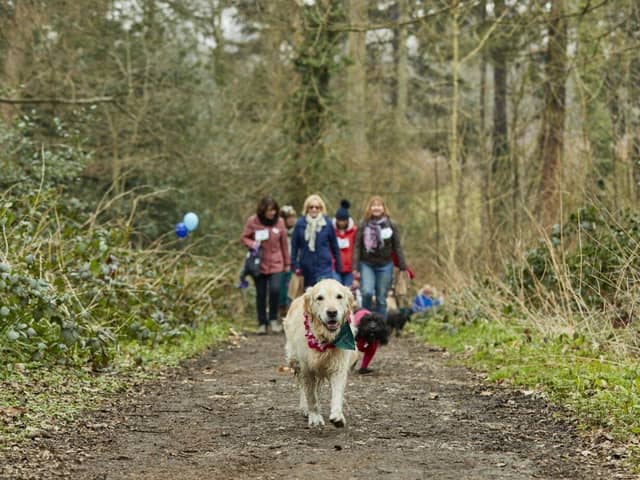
345 229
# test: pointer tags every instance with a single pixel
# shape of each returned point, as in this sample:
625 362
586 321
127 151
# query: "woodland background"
503 134
479 121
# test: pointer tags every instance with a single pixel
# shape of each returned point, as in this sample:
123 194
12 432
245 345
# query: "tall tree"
18 20
402 71
455 161
501 172
357 83
317 59
482 131
551 141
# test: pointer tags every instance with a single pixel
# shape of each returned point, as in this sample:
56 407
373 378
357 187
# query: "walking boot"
275 326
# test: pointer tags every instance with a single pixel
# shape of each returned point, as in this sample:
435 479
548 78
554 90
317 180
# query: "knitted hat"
343 212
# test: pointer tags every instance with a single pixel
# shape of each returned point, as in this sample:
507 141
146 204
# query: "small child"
372 332
425 299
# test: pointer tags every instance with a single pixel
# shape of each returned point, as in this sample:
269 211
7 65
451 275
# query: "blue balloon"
181 230
191 221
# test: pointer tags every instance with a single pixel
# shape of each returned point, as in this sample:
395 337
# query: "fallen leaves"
12 412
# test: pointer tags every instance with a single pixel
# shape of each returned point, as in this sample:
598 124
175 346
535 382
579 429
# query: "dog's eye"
320 298
339 297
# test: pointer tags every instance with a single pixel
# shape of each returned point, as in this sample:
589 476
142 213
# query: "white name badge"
343 243
386 233
262 235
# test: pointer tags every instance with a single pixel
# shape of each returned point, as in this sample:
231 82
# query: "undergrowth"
83 312
561 320
72 290
577 361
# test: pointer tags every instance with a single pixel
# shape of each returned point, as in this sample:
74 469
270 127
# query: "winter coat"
274 251
381 255
346 243
318 264
423 302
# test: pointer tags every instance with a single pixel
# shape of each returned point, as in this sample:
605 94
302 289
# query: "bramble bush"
72 291
592 260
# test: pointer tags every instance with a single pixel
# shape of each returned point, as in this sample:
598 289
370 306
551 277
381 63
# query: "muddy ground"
232 414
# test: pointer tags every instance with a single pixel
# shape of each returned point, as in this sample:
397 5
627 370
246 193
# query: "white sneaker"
262 330
275 327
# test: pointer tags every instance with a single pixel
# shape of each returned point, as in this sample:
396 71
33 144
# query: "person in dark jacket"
314 244
266 230
377 239
288 214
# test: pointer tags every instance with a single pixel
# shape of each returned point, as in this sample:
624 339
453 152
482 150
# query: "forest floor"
232 413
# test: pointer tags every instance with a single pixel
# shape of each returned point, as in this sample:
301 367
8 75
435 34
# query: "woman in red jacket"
266 230
345 229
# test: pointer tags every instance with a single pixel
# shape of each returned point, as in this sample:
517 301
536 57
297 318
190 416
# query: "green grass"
598 388
170 355
36 399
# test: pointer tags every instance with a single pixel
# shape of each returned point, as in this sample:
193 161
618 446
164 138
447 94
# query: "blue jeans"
375 280
345 279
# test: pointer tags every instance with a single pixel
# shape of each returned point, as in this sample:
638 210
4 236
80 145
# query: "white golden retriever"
312 324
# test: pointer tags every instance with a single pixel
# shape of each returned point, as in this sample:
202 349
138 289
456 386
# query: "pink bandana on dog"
344 340
312 341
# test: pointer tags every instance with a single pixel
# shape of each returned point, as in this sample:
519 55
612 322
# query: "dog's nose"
332 313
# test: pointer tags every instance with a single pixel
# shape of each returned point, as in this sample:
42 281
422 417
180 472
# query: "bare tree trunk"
552 133
617 117
117 163
436 196
484 157
219 70
454 162
402 75
357 84
516 198
17 32
633 89
500 166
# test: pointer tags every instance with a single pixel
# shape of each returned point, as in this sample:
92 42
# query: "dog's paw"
316 420
338 420
304 408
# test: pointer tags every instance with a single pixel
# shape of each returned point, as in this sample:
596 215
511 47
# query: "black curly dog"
373 327
396 319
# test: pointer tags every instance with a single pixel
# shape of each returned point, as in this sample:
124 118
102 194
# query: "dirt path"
232 414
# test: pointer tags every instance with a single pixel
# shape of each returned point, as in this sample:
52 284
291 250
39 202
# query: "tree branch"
486 37
62 101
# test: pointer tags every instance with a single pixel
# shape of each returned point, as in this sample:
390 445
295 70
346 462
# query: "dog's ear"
307 297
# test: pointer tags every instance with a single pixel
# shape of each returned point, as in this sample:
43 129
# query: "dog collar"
312 341
344 339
